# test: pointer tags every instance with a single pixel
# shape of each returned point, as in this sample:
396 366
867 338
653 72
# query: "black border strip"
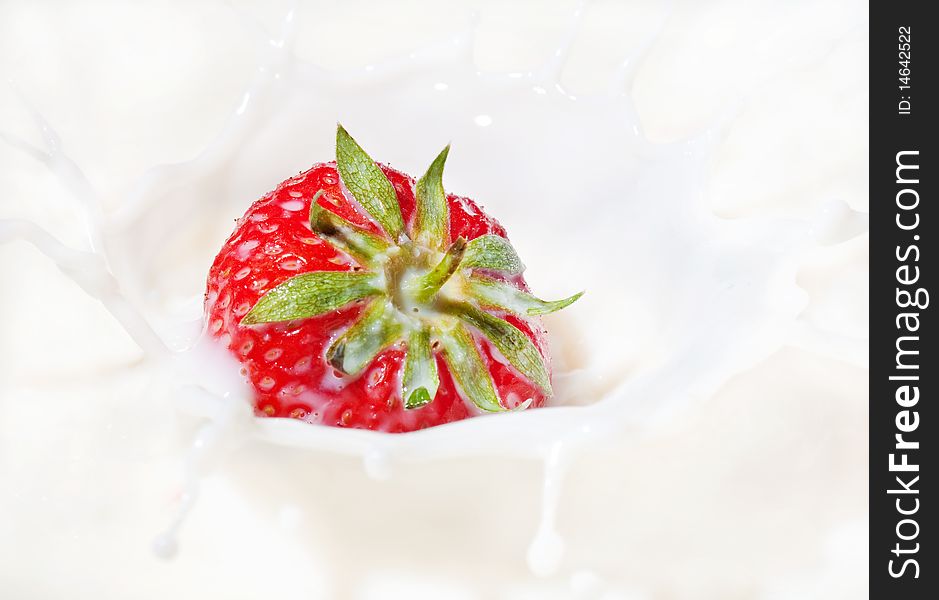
903 365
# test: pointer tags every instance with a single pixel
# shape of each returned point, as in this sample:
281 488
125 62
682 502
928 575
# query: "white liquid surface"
679 300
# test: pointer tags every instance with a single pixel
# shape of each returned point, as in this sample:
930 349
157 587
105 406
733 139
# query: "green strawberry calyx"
420 288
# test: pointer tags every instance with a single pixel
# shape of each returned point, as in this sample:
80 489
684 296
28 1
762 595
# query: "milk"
679 301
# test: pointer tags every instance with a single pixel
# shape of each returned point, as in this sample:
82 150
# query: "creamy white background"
758 491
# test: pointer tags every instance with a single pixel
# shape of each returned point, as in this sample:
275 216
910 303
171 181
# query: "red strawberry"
357 297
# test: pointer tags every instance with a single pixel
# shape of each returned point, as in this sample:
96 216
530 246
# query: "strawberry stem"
428 286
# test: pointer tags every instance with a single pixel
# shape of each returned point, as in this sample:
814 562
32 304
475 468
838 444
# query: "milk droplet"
545 552
585 583
376 464
483 120
165 546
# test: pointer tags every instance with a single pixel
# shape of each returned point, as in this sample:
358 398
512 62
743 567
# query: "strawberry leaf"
368 184
432 217
468 370
494 253
517 348
343 235
360 344
311 294
491 292
420 380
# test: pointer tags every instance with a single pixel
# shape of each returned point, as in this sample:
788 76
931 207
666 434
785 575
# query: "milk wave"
696 299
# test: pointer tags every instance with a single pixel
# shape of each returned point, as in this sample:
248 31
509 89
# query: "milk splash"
678 300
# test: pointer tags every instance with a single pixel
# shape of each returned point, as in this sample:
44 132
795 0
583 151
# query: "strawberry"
355 296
